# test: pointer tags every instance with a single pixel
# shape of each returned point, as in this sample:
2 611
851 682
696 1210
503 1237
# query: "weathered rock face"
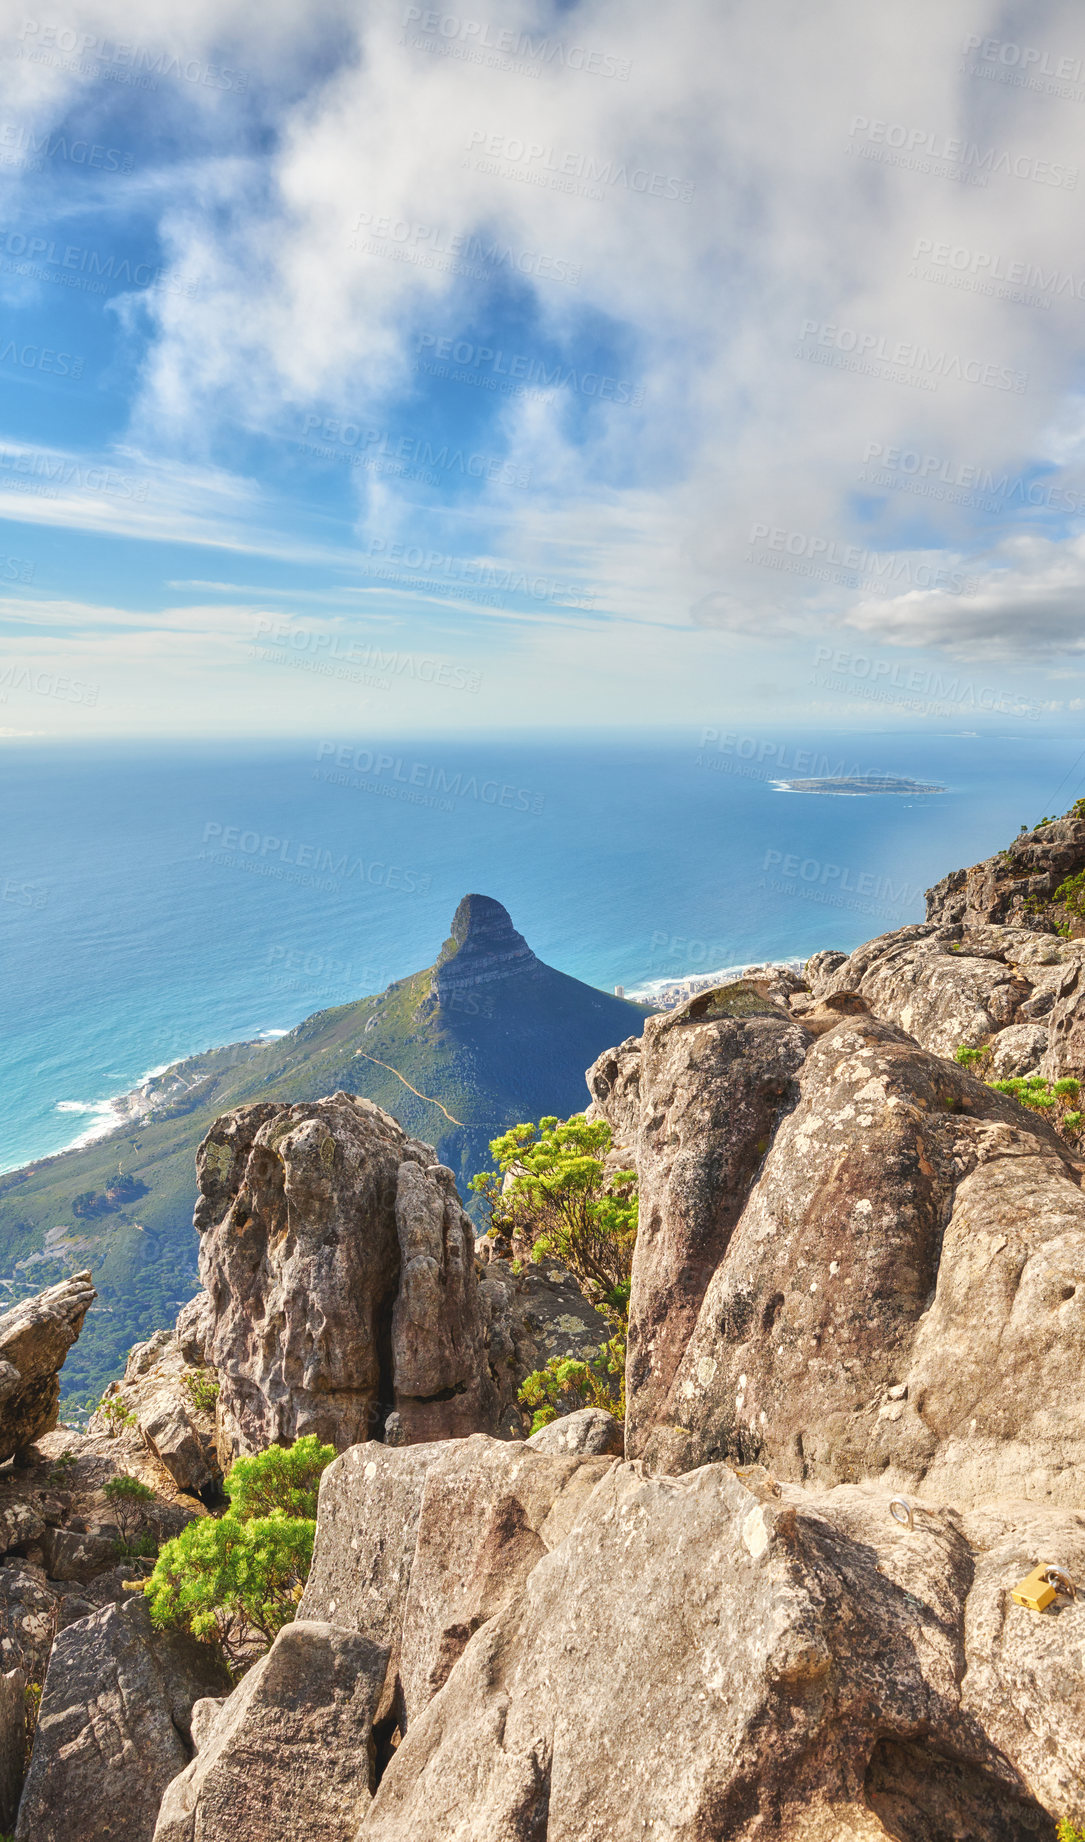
416 1549
532 1316
12 1743
158 1387
482 948
777 1664
714 1079
1021 993
35 1337
901 1296
1017 886
340 1270
113 1727
291 1752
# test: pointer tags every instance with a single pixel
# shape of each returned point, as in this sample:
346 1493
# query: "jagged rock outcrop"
175 1419
482 948
532 1316
340 1268
900 1295
415 1549
35 1337
1017 887
598 1654
113 1729
714 1079
291 1752
1020 992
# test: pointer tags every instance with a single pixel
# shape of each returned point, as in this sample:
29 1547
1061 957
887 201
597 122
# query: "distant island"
859 783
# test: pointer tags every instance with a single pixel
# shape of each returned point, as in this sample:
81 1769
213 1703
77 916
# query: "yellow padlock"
1035 1591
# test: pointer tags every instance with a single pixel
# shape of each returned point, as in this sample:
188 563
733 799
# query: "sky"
368 368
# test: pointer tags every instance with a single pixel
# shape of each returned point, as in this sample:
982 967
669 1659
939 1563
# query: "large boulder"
340 1269
715 1078
901 1297
698 1658
35 1337
291 1752
1017 887
172 1401
417 1547
113 1729
1020 993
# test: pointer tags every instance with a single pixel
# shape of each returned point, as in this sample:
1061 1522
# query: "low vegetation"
552 1197
132 1504
202 1388
235 1580
1055 1100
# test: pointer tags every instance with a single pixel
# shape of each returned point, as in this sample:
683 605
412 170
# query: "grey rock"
340 1270
35 1337
113 1727
698 1659
910 1227
290 1753
716 1076
590 1433
489 1512
12 1744
367 1526
28 1618
204 1715
72 1554
175 1431
195 1330
20 1524
531 1316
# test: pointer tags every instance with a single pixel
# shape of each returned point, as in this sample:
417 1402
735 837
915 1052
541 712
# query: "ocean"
159 901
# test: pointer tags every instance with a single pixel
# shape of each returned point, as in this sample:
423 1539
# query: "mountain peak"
483 946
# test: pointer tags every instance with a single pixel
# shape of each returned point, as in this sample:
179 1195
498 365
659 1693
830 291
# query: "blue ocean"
156 902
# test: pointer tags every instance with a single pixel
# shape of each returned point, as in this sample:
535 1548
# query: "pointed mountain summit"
482 948
486 1036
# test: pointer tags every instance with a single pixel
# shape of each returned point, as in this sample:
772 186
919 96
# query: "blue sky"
583 364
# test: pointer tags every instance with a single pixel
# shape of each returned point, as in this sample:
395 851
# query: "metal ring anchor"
901 1511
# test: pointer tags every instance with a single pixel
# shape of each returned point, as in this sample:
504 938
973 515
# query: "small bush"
284 1478
1069 1832
132 1504
60 1477
225 1579
567 1384
202 1388
116 1415
1053 1100
222 1579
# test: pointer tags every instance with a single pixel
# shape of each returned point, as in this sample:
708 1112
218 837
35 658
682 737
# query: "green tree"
223 1579
233 1578
551 1196
283 1478
132 1504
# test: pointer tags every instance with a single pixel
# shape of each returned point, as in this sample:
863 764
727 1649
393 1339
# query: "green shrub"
551 1197
284 1478
202 1387
61 1475
567 1384
1053 1100
1069 1832
227 1578
222 1579
116 1415
132 1504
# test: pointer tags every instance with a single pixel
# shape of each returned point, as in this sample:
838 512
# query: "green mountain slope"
487 1037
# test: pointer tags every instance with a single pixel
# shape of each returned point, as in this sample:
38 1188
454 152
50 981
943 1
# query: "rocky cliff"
782 1607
